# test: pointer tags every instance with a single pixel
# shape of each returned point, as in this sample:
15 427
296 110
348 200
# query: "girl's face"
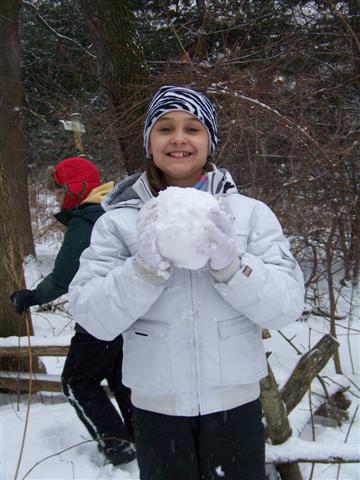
179 144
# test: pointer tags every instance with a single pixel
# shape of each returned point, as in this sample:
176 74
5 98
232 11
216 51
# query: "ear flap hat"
170 98
77 176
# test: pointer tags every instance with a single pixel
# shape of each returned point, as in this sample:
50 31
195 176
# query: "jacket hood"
122 192
99 193
135 190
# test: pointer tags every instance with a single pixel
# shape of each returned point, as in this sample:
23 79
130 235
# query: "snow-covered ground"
57 446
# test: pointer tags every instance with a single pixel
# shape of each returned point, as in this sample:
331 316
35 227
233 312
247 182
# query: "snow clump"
183 217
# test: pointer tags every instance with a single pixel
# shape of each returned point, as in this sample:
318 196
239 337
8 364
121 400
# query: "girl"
193 354
79 191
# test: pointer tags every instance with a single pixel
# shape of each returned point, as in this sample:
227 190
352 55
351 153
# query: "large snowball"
183 215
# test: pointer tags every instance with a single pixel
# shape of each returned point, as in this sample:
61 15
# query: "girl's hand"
148 250
222 239
147 238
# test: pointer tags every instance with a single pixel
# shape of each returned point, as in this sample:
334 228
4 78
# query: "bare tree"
15 228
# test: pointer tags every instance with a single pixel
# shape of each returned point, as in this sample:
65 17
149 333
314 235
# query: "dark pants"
226 445
89 361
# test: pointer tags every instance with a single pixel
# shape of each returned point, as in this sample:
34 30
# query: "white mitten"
222 238
148 252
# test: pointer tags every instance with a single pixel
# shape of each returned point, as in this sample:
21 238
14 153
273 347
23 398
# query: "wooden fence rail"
41 382
36 351
19 381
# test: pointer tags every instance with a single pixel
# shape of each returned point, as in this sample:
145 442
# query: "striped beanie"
170 98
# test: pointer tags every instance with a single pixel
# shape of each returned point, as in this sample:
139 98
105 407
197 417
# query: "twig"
323 384
329 256
338 14
339 384
29 397
311 416
304 136
338 325
352 382
54 455
65 450
351 424
299 352
319 312
346 438
18 372
348 332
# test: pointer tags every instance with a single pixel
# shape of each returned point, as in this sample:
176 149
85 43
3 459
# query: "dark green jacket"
79 222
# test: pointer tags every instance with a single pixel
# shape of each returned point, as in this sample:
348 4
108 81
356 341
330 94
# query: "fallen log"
308 367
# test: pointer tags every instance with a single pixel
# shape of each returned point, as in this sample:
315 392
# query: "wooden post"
277 423
78 129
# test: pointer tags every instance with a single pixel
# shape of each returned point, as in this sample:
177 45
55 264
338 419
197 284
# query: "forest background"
285 78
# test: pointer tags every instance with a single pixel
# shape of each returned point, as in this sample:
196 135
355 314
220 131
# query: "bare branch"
61 38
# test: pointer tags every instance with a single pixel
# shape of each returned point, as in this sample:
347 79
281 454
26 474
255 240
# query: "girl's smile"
179 154
179 144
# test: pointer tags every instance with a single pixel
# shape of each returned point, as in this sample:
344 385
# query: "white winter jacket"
192 343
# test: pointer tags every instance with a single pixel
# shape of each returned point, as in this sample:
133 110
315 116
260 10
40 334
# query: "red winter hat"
78 176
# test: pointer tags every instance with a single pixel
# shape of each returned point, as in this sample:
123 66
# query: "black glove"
23 299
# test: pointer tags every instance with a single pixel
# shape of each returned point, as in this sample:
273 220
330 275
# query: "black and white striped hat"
170 98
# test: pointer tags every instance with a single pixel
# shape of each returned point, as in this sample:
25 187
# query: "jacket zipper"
196 343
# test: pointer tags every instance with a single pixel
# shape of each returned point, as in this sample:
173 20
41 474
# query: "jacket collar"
64 216
122 192
220 183
135 190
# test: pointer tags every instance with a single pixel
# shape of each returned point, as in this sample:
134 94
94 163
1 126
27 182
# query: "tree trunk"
11 276
121 64
15 227
12 129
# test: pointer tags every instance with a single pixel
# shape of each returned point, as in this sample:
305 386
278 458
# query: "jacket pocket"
146 363
242 357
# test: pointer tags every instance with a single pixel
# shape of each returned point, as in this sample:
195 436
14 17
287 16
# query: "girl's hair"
156 178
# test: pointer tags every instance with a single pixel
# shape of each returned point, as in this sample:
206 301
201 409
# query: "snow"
295 448
57 445
180 223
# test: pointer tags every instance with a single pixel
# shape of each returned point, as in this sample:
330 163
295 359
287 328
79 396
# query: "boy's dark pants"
226 445
90 361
